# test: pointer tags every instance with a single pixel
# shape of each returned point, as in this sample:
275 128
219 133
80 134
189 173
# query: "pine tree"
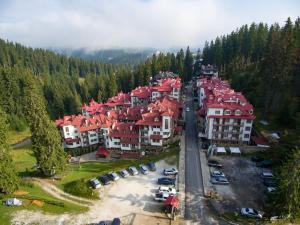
180 64
188 65
46 143
9 180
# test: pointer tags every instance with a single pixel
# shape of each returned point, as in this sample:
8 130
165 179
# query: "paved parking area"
246 188
126 198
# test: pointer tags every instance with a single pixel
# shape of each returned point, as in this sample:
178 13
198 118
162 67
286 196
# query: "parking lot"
246 188
127 198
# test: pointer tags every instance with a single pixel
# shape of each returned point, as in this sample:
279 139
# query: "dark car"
166 181
104 179
151 166
270 183
214 163
116 221
264 164
257 159
219 180
124 173
205 145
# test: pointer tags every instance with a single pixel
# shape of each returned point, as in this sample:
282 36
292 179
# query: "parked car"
95 183
250 212
264 164
267 175
270 190
133 171
270 183
124 173
170 171
113 176
166 181
217 173
116 221
144 169
214 163
152 166
161 196
257 159
169 190
104 179
219 180
205 145
13 202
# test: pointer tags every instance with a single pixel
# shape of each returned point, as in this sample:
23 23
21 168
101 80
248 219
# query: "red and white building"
128 121
227 115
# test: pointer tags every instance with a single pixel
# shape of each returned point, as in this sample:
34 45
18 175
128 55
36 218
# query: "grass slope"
16 136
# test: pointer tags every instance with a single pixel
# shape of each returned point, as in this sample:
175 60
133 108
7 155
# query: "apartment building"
227 115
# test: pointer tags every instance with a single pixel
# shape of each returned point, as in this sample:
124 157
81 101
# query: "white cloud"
97 24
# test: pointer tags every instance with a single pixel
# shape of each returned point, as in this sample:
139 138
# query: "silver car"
250 212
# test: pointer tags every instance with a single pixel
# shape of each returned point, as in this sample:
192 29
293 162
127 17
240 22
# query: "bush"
80 188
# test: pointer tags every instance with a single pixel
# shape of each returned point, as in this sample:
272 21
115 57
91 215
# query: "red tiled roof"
102 151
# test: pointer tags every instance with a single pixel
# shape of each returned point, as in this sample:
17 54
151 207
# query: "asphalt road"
197 208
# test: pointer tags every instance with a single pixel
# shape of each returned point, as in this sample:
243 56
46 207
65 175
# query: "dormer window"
156 119
251 111
227 112
237 112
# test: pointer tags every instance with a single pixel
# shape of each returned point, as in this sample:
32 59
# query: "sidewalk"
207 187
181 175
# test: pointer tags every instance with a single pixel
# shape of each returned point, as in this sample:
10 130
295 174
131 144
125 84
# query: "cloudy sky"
96 24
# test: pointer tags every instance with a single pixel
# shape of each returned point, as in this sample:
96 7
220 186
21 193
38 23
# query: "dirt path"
22 143
58 193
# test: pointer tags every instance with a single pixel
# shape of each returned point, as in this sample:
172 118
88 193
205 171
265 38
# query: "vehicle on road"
144 169
187 109
170 171
166 181
219 180
161 196
264 164
214 163
113 176
124 173
104 179
257 159
217 173
151 166
133 170
250 212
95 183
104 222
169 190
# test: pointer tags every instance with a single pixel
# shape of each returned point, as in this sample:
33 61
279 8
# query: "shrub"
17 123
80 188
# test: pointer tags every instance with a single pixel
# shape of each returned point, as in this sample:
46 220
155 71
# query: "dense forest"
264 63
67 82
113 56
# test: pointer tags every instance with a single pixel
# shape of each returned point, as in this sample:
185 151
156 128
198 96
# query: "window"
247 128
116 143
246 136
166 133
67 129
217 112
227 112
125 145
75 131
249 121
226 120
166 124
237 112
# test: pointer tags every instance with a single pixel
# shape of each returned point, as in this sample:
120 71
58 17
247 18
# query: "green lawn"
24 159
15 136
51 204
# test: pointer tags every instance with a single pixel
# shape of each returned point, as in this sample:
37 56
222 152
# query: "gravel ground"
245 189
124 199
